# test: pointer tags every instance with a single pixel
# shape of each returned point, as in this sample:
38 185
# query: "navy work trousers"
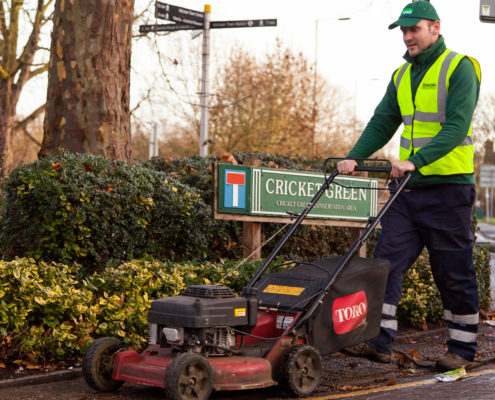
440 218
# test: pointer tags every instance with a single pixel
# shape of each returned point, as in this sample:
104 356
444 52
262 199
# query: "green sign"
277 193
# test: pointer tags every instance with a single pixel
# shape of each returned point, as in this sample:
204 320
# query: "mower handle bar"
366 168
373 168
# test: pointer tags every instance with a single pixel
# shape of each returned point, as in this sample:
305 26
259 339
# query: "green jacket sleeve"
381 127
463 95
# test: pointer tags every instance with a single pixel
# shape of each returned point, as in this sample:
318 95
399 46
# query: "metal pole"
153 142
491 205
487 205
313 133
205 86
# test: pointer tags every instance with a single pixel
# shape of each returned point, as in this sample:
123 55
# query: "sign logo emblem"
349 312
235 189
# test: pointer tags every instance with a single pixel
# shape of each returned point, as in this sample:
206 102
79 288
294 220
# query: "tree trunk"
7 162
87 107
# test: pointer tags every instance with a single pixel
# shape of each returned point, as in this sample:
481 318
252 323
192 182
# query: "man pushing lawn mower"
290 315
434 94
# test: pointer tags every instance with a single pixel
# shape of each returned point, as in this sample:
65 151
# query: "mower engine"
201 319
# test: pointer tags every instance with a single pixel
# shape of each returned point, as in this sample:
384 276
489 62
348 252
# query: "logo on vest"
429 85
349 312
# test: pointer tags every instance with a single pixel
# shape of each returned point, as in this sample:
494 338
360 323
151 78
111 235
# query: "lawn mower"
274 333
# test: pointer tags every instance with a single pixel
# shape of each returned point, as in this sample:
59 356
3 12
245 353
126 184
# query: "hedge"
98 212
46 313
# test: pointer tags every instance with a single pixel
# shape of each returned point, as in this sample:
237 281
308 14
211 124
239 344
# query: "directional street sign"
179 14
248 23
187 19
165 28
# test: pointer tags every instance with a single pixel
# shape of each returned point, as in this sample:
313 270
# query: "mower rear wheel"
189 377
301 371
98 364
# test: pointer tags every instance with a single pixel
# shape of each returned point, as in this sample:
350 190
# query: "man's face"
421 36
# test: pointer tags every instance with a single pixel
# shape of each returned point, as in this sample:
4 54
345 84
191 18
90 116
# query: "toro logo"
349 312
235 189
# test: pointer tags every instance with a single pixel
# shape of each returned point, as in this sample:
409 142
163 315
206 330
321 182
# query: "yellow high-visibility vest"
424 117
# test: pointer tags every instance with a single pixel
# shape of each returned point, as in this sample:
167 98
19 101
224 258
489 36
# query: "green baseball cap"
415 12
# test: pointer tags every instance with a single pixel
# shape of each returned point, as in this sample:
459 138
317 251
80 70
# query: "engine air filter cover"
208 292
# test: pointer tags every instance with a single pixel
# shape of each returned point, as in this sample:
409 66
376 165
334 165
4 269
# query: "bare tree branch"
147 96
27 56
3 23
144 11
23 124
38 71
12 34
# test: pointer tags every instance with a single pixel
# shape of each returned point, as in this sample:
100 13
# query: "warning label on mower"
240 312
289 290
284 321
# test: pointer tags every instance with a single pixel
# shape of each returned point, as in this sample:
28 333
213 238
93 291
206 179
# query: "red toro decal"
349 312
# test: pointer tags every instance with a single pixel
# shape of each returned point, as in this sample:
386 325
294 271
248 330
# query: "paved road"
477 385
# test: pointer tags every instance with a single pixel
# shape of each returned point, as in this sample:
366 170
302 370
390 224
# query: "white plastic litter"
451 376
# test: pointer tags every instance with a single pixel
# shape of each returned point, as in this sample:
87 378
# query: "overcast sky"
358 54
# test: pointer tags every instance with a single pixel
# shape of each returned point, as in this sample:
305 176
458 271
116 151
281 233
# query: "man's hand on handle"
346 167
399 168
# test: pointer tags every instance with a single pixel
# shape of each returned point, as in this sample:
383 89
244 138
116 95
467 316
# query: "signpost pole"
487 202
154 142
251 231
491 205
205 85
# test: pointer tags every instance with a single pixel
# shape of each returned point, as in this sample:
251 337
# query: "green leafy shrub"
97 211
44 314
124 295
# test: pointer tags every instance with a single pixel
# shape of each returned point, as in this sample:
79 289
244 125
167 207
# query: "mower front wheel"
301 371
98 364
189 377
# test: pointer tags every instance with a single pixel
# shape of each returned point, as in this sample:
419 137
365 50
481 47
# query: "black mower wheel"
189 377
98 364
301 371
